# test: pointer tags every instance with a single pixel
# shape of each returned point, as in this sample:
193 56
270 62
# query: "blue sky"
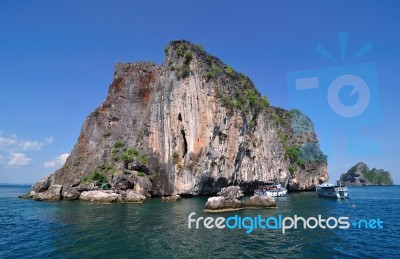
57 58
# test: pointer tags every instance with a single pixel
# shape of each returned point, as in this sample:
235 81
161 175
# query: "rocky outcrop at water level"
229 198
190 126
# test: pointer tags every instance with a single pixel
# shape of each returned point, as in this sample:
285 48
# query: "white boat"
333 191
274 190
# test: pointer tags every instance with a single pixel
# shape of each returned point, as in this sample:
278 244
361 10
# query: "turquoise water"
159 230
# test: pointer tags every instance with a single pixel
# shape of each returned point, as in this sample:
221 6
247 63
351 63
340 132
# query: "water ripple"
156 229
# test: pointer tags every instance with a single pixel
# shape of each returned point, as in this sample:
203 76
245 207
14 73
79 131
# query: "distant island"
15 184
361 175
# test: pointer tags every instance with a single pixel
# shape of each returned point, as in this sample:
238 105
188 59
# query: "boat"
274 190
330 190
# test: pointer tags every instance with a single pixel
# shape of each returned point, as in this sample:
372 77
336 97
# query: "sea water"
156 229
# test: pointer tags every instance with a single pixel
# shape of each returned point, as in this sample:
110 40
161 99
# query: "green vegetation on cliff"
191 125
378 177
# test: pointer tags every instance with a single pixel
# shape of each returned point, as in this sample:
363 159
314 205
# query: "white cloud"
19 159
57 162
49 140
7 141
13 143
31 145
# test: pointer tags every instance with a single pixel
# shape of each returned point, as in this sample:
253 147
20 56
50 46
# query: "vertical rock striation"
190 126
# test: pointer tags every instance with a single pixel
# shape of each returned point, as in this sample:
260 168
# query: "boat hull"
280 193
273 191
333 191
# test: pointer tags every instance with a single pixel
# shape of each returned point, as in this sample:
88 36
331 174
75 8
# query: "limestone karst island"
190 126
361 175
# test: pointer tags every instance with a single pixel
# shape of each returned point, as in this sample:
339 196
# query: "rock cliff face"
360 174
190 126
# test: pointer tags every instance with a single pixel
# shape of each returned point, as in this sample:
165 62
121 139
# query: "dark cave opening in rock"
184 143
